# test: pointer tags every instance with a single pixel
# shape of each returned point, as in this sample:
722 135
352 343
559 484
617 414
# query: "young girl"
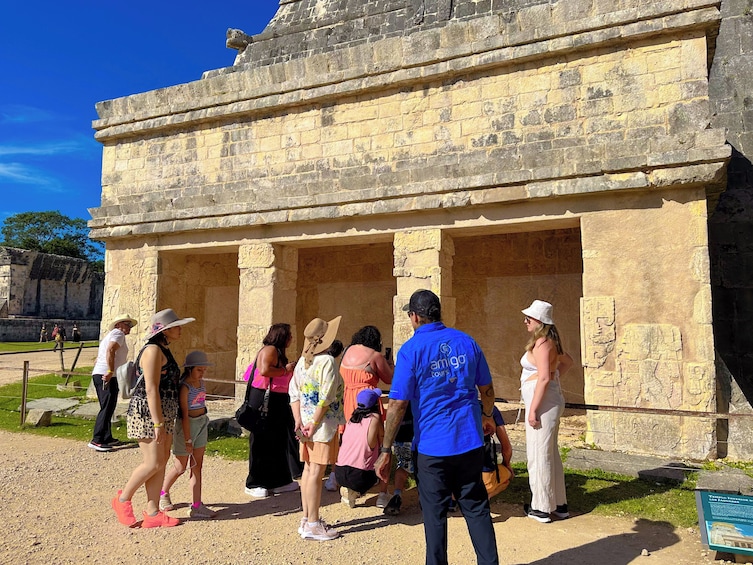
363 435
190 439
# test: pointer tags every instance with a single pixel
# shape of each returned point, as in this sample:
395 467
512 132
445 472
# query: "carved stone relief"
598 329
648 361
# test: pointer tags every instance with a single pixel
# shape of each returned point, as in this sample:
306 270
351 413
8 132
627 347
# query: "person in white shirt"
113 352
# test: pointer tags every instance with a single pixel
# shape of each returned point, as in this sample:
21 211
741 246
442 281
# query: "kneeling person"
361 439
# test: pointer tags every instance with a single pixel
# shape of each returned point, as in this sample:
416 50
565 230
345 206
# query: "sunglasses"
526 320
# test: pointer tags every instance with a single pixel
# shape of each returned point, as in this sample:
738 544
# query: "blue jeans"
439 478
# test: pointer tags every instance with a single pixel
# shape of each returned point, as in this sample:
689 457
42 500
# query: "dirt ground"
55 508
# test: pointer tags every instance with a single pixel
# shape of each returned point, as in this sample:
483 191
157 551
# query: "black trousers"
108 399
439 478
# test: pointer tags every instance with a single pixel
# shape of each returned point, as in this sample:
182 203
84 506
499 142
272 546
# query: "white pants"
545 474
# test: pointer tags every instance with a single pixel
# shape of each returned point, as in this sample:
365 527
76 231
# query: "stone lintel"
248 91
415 197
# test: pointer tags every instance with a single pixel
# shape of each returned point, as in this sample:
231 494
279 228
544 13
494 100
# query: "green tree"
51 232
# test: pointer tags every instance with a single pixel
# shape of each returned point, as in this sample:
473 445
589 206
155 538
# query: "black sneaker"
561 511
99 446
537 515
393 506
114 443
453 507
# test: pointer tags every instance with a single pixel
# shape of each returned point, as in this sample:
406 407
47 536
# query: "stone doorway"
495 276
205 286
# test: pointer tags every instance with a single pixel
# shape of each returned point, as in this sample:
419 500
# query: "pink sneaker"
124 511
159 520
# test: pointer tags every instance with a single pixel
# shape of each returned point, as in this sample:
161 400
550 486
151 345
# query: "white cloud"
22 174
20 114
55 148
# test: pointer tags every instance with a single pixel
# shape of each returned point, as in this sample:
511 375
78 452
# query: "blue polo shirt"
438 370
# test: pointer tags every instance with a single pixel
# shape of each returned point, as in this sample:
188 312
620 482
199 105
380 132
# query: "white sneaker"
165 504
258 492
319 531
383 499
290 487
348 496
302 525
331 483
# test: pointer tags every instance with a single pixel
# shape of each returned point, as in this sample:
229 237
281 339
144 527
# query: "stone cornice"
698 166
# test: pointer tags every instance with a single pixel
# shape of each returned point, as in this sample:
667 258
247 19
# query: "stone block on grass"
39 418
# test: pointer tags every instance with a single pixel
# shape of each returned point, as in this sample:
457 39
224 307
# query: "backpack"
54 332
126 374
497 478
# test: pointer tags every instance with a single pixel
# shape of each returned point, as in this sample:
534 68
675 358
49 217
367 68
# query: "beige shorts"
320 453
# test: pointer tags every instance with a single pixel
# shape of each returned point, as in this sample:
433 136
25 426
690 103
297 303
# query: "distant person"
151 420
57 336
441 372
43 334
112 353
76 333
63 332
191 435
543 363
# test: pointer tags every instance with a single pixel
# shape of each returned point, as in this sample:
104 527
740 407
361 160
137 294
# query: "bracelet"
484 414
159 425
315 423
385 450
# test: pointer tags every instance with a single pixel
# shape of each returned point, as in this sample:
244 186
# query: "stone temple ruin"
495 151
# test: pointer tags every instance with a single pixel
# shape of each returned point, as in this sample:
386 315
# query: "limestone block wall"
639 350
496 125
48 286
353 281
497 275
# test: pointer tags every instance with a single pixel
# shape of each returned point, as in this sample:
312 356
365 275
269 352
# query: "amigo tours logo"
447 363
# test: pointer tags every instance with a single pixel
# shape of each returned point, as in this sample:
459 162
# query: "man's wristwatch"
385 450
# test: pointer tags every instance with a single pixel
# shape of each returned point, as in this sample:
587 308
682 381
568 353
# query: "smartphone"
388 353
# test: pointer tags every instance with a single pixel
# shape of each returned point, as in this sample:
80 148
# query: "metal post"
24 390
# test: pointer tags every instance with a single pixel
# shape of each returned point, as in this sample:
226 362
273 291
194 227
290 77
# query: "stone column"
423 259
267 295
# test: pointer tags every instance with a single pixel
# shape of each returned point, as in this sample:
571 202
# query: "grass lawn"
587 491
24 346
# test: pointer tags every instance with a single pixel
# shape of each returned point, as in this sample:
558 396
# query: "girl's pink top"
279 384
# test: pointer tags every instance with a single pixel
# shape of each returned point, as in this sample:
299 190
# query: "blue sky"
58 59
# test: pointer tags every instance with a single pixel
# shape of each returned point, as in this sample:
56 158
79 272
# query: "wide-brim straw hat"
319 335
164 320
122 318
541 311
197 359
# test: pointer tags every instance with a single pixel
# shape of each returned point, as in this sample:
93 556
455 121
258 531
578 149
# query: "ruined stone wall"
731 224
49 286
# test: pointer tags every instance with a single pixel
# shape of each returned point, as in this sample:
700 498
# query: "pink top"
355 450
279 384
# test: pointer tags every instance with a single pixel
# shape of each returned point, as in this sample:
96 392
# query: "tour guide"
438 371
